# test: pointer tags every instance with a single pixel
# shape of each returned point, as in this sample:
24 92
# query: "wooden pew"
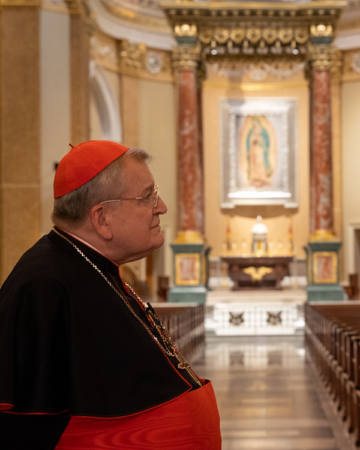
185 323
333 344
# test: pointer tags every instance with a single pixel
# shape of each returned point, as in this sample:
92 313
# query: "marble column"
190 179
189 248
321 166
323 248
201 147
19 131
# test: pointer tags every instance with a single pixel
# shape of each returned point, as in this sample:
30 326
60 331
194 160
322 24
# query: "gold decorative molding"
20 3
322 30
254 29
132 57
323 235
253 87
257 273
337 65
325 57
235 9
266 36
320 56
352 64
185 30
189 237
140 61
103 50
278 71
186 57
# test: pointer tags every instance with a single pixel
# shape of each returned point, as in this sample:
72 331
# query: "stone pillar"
19 131
323 248
200 78
189 248
80 29
321 157
190 185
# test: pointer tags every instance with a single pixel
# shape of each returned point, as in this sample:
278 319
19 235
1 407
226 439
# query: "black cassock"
70 346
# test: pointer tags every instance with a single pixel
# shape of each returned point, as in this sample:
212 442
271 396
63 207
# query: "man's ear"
100 222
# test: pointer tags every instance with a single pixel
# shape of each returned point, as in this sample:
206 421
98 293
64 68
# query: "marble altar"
247 313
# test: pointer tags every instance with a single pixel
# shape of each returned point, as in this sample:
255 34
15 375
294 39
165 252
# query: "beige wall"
157 135
96 132
55 103
351 166
276 218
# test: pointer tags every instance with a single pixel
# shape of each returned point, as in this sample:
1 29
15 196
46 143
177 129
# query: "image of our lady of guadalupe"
259 139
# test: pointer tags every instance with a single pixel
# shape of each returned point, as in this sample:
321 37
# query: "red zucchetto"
83 162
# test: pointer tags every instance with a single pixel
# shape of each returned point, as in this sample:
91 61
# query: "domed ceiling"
144 21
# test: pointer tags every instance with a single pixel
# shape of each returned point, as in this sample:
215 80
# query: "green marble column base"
329 292
196 294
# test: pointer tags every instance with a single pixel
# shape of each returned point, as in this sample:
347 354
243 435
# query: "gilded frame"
282 114
179 258
334 268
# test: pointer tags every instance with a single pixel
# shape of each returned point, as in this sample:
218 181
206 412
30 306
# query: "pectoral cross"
185 365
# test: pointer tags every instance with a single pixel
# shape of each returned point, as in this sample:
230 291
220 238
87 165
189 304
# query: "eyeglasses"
151 200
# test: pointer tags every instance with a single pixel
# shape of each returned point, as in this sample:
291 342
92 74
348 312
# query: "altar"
265 272
249 313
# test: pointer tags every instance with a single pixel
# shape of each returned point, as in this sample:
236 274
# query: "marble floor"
269 397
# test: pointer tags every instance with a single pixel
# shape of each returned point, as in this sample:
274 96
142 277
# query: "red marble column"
201 152
321 158
189 167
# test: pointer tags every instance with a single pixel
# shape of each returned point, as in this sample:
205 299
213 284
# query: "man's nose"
161 208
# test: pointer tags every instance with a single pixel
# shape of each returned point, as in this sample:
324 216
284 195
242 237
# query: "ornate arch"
106 103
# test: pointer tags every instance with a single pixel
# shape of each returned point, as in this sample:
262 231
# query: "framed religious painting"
258 140
325 267
187 269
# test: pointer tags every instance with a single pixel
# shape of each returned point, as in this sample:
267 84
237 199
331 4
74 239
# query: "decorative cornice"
228 11
186 57
253 29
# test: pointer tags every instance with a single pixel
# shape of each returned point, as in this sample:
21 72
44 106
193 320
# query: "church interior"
250 112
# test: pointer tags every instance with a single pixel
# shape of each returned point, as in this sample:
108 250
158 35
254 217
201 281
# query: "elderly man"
84 362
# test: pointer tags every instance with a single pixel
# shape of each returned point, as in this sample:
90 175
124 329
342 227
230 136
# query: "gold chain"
164 334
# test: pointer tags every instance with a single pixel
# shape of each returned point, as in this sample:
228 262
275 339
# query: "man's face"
135 224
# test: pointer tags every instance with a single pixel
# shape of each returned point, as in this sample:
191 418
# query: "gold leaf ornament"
257 274
253 34
221 35
269 34
185 30
301 35
205 35
237 35
321 30
285 35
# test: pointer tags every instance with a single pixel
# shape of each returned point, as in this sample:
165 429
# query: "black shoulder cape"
69 344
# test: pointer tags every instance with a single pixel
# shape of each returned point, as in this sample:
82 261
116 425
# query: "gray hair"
73 208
